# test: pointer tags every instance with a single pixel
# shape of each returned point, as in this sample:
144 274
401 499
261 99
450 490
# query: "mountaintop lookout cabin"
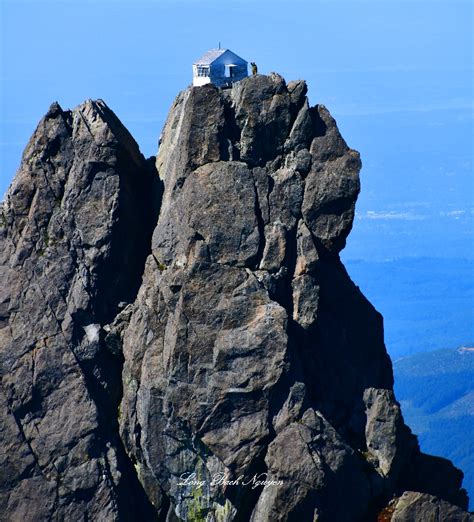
221 67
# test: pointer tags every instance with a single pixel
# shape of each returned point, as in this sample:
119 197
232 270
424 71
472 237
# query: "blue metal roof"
210 56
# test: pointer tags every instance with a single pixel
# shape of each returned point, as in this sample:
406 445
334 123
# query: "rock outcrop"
198 351
76 225
420 506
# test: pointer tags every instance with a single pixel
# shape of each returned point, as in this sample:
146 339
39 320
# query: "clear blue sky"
397 76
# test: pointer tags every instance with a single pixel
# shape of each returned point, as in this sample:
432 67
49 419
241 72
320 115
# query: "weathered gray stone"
274 252
389 442
301 132
420 507
161 366
291 411
298 90
70 253
329 201
246 316
316 472
262 110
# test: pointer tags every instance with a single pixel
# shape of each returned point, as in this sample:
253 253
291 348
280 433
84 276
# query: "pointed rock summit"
181 341
76 225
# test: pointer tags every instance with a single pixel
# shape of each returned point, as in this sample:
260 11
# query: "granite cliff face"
76 225
172 336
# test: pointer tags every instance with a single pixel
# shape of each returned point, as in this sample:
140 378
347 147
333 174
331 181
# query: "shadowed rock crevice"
255 261
230 138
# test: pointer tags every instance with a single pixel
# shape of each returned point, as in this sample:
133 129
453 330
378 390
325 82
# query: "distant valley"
436 391
427 304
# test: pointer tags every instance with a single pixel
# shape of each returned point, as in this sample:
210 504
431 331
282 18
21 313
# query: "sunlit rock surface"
166 327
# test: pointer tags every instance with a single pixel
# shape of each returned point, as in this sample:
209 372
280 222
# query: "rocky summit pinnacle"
179 339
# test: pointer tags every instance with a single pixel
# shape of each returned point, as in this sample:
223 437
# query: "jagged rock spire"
145 351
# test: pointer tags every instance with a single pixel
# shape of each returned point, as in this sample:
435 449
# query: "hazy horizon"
396 75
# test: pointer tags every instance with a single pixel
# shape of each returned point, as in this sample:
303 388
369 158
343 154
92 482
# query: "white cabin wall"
198 81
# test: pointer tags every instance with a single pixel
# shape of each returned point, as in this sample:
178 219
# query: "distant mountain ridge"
436 391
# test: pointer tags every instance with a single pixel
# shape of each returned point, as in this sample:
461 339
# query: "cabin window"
230 71
202 70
